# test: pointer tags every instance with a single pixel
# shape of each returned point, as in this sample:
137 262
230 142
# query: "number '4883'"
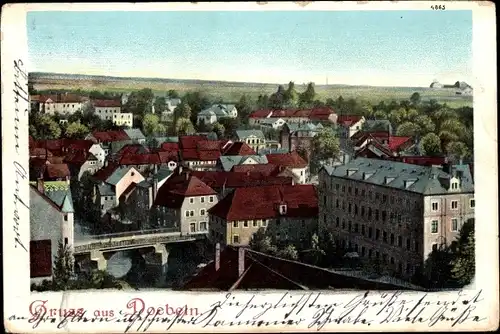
438 7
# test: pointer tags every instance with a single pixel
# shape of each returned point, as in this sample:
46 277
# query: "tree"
263 102
76 130
291 97
276 100
425 123
308 96
244 108
261 242
430 144
197 101
230 126
325 146
303 152
150 123
160 105
464 265
457 150
415 99
46 128
183 126
63 266
219 130
408 129
173 94
289 252
183 110
139 102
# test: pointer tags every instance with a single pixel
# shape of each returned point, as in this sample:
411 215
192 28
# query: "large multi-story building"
110 110
395 212
64 104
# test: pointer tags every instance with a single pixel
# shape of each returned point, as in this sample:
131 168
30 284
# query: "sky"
381 48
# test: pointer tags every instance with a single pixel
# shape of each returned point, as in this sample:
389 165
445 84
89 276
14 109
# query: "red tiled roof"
208 155
209 145
170 146
77 157
218 179
56 171
110 136
239 148
107 103
132 149
292 160
395 142
189 154
40 152
263 271
190 142
264 169
166 156
104 173
78 144
249 203
61 98
262 113
177 187
348 120
140 159
321 113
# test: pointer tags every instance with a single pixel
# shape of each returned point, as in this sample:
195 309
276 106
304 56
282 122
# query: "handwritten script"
311 310
20 94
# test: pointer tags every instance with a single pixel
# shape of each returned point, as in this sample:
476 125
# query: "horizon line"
214 80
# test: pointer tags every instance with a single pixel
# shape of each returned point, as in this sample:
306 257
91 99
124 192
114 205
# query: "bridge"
101 247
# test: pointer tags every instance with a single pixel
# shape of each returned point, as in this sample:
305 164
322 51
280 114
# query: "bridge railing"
133 233
110 243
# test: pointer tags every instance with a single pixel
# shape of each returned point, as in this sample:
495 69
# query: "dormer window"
454 185
351 171
409 183
282 209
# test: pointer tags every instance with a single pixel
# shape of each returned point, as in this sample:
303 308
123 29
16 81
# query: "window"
408 244
369 212
235 224
356 228
417 246
384 215
343 224
434 206
355 209
255 223
245 223
350 226
355 191
434 226
376 214
343 189
337 203
377 234
65 218
434 247
392 199
363 192
400 241
236 239
392 239
203 226
264 223
454 205
337 221
392 260
189 213
349 209
65 241
384 198
454 185
202 212
211 199
349 190
191 200
363 229
472 203
370 253
454 224
202 199
370 232
362 211
105 198
385 236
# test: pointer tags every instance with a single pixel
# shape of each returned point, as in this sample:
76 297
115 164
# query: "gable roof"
395 142
264 169
58 195
348 120
228 161
219 180
110 136
56 171
134 134
292 160
239 148
243 134
414 178
263 202
172 193
140 159
107 103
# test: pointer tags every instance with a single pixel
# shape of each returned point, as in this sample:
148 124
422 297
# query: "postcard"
254 166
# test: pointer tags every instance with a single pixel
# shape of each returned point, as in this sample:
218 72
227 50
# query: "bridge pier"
98 257
162 253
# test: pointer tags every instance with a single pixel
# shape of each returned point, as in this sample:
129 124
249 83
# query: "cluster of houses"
379 198
66 104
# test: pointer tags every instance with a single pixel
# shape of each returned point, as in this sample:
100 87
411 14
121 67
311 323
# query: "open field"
232 91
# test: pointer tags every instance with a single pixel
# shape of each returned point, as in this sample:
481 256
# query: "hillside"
232 91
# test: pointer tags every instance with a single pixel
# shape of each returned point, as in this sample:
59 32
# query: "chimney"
187 176
217 257
39 185
241 261
67 180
